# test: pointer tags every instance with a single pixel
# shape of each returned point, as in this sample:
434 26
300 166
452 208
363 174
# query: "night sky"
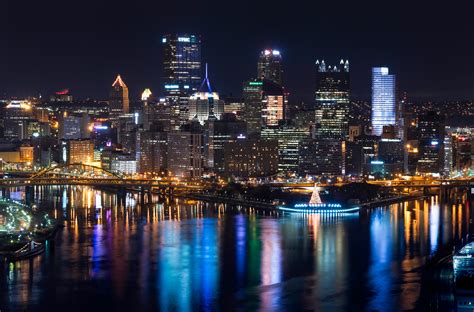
50 45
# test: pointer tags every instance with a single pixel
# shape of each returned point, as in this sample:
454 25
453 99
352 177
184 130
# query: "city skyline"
40 58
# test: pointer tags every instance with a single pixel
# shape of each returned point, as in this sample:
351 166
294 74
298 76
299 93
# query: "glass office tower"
182 61
332 101
384 100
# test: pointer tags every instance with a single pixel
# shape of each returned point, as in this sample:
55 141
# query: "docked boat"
463 265
315 205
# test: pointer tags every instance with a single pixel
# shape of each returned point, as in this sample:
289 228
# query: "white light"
267 52
276 52
163 40
384 70
184 39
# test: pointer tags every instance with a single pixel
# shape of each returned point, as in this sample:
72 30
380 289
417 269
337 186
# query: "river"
176 255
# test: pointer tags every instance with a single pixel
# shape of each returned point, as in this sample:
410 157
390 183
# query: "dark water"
181 256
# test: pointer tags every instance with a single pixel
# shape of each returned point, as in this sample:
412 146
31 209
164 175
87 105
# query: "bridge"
88 175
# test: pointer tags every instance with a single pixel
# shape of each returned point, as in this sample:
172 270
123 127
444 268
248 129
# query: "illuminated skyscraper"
332 100
119 103
182 61
270 66
384 100
205 104
181 74
264 104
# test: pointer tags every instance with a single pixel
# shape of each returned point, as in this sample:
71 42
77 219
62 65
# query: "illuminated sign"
184 39
171 86
276 52
186 87
255 83
376 162
163 40
100 127
434 143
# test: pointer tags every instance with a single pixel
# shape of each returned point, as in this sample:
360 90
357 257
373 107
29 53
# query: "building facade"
118 102
384 99
270 66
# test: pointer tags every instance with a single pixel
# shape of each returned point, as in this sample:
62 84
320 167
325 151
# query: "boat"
316 205
463 265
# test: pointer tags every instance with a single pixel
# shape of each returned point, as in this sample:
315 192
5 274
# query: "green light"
255 83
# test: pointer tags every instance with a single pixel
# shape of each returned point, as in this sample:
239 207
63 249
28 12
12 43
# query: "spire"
206 82
346 66
119 81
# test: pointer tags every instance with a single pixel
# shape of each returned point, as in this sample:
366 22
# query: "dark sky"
82 45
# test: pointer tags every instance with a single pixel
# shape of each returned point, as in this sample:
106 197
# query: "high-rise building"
431 134
270 66
332 100
321 157
288 136
186 152
119 103
80 151
264 104
61 96
384 99
218 133
151 151
17 115
182 61
205 104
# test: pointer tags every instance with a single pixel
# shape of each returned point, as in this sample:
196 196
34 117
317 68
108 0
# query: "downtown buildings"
384 99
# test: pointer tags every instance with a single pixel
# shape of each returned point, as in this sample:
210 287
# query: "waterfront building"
79 151
431 134
288 136
124 164
360 153
218 133
321 157
270 66
391 154
118 102
186 153
384 99
332 100
251 158
151 151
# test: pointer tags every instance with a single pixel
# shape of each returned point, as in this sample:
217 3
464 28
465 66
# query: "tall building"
205 104
321 157
264 104
182 61
270 66
186 152
219 132
80 151
288 136
16 117
151 151
384 99
431 134
332 100
119 103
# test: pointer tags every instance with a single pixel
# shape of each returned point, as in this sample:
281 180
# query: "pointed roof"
119 81
206 82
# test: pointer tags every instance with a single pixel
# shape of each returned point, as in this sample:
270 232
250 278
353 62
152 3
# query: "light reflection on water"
123 254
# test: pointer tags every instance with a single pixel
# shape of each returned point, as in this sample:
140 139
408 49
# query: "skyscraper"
270 66
332 100
264 104
205 104
119 103
384 100
181 74
182 61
